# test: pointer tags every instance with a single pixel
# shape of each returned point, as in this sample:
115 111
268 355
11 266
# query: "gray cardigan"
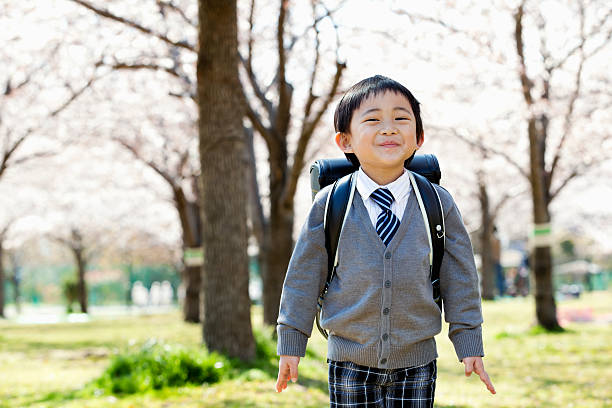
379 310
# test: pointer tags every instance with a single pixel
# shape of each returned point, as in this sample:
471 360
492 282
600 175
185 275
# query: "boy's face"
382 132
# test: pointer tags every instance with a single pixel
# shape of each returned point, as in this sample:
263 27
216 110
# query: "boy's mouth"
389 144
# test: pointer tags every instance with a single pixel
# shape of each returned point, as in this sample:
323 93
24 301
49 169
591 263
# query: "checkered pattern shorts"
352 385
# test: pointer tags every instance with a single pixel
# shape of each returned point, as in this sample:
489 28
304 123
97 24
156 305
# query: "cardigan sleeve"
305 278
459 284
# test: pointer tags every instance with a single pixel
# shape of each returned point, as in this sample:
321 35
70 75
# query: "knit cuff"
291 342
468 343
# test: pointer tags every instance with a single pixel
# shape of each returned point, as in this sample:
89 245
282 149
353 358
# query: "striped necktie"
387 223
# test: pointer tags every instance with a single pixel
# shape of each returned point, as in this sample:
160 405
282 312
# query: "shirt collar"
399 188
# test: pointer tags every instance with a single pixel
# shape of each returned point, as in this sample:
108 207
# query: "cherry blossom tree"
552 86
87 208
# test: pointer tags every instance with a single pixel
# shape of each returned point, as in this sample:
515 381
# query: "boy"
379 309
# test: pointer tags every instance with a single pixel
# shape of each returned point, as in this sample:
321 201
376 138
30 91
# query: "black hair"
356 94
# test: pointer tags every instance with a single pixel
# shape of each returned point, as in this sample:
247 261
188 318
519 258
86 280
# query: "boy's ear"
422 139
343 141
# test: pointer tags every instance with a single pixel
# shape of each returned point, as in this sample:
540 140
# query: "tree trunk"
16 280
223 155
546 309
82 287
191 223
16 290
192 278
278 236
1 282
487 271
276 255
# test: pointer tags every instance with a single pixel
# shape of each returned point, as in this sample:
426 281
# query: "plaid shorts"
353 385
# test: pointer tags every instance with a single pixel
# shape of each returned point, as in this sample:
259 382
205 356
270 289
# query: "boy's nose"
388 130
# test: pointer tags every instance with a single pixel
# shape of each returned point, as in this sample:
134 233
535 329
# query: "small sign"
541 236
193 256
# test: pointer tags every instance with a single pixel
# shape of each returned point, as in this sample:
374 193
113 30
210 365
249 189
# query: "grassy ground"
45 365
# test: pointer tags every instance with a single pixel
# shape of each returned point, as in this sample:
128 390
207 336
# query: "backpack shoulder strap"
336 211
433 215
337 207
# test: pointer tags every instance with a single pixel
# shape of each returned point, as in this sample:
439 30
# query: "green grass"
54 365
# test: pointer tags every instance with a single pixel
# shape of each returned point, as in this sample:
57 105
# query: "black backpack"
424 170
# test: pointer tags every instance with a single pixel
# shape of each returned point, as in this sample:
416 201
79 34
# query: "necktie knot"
383 198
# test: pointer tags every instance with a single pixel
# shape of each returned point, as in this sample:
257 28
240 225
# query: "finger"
484 376
469 367
281 382
294 372
485 379
279 385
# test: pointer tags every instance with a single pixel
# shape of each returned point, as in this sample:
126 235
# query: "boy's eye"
371 120
402 118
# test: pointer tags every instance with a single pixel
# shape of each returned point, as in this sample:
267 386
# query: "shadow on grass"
533 331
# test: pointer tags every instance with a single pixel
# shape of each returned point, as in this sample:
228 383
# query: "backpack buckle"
439 231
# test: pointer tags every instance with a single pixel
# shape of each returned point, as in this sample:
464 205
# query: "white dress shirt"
400 189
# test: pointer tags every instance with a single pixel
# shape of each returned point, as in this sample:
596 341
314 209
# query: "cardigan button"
383 361
387 284
387 255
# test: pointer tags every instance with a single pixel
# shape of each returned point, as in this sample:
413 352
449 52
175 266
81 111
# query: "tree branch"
135 25
257 123
481 39
4 163
248 66
580 46
567 126
576 173
311 97
526 83
169 5
75 95
280 118
11 150
484 148
505 199
134 150
33 156
308 128
267 104
137 66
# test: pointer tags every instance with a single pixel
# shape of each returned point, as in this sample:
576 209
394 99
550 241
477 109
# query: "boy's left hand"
475 364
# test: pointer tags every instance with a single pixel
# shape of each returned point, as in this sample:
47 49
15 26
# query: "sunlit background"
99 138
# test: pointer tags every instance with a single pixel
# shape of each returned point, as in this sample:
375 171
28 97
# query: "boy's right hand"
287 369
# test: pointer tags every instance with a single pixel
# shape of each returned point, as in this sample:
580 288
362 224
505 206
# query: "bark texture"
546 308
487 271
223 154
540 181
191 225
278 245
81 263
